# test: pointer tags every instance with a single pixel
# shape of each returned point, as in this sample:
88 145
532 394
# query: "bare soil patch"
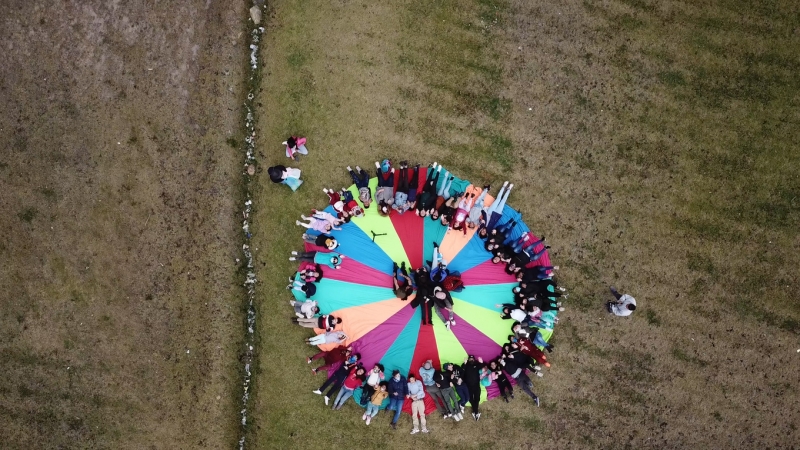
121 307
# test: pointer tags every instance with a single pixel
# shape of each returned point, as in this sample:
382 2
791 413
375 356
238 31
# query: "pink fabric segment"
473 341
543 260
488 273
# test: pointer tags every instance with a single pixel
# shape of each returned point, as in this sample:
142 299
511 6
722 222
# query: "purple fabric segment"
473 341
374 345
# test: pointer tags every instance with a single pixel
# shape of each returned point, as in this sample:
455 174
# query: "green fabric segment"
450 350
546 334
487 295
488 323
333 295
371 221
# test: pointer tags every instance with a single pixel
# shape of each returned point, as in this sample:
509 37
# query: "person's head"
357 212
493 364
335 260
338 206
331 243
316 310
349 349
411 378
483 233
512 338
495 259
345 214
383 385
516 327
408 290
514 345
360 371
444 219
386 165
328 227
338 320
506 348
471 358
440 295
435 214
506 310
428 364
448 366
471 225
383 208
356 357
291 142
631 307
396 374
517 289
423 213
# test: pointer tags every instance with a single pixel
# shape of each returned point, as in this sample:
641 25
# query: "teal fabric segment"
487 295
401 352
333 295
434 232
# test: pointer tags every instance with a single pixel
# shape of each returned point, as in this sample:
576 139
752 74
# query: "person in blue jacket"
398 389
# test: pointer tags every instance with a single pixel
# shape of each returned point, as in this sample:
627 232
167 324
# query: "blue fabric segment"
333 295
473 254
354 243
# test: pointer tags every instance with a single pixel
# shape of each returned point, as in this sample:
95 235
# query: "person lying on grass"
374 404
337 378
351 382
330 259
339 354
426 202
321 221
325 322
499 377
322 240
361 180
406 195
306 309
331 337
398 390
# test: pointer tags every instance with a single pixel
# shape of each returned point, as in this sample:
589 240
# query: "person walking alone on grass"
416 393
624 305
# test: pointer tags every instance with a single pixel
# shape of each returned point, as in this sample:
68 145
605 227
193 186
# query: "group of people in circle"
429 287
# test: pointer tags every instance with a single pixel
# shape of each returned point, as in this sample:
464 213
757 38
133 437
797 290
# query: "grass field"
655 143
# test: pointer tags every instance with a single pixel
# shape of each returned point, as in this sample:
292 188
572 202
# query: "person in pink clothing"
462 212
321 221
295 146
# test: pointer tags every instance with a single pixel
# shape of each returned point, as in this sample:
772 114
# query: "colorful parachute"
388 330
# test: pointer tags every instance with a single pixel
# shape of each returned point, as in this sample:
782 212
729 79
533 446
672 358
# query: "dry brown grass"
653 143
120 225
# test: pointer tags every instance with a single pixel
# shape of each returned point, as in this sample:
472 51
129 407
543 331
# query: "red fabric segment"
430 407
426 349
488 273
410 229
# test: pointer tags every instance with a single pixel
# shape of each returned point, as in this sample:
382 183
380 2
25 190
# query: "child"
330 259
285 175
361 179
374 405
331 337
294 146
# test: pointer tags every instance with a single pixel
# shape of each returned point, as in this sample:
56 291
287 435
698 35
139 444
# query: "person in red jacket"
354 379
337 355
526 346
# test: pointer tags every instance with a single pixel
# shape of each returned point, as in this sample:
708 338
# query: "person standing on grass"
374 404
472 378
417 393
624 305
398 391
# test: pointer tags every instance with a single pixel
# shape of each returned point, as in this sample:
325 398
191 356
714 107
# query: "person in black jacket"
472 378
444 381
455 372
336 380
502 381
514 364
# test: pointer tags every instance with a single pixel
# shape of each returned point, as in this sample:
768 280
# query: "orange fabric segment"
360 320
455 240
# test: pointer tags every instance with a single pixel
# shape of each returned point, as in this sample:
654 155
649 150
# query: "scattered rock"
251 170
255 14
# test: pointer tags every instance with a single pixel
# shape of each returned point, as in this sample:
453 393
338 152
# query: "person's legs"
402 184
307 256
301 148
342 397
481 198
317 340
437 398
445 185
538 254
422 422
475 397
616 294
396 405
414 183
526 384
363 179
318 356
450 400
463 394
307 323
537 340
417 411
